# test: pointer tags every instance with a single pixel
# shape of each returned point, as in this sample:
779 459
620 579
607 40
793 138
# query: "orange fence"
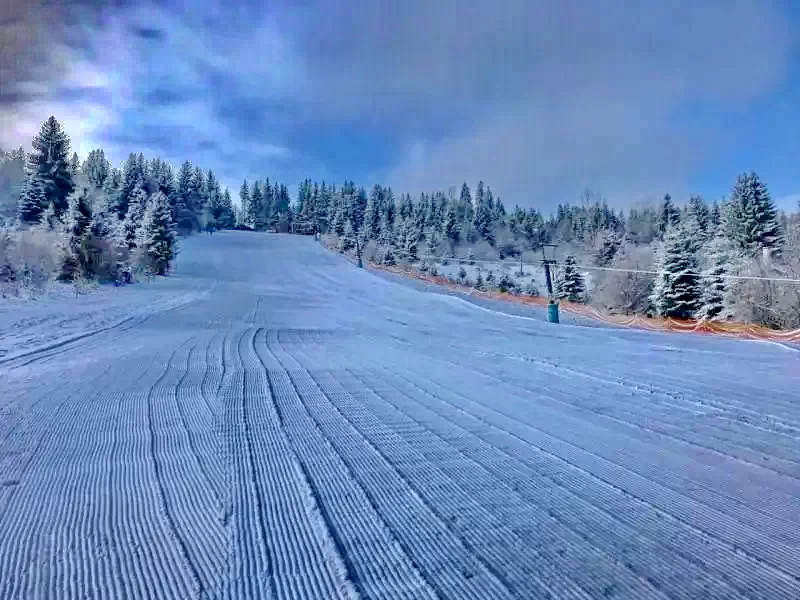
728 328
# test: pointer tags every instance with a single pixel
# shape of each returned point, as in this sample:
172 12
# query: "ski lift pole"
552 305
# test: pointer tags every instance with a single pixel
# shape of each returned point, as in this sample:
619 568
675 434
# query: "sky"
540 99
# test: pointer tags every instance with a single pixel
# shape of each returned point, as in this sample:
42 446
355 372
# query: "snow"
272 421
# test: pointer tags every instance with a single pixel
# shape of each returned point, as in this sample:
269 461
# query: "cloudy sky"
539 98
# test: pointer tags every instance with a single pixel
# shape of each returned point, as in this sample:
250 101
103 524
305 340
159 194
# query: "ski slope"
272 422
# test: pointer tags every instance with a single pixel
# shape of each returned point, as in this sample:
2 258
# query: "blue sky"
540 99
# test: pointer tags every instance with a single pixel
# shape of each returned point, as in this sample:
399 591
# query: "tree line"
113 222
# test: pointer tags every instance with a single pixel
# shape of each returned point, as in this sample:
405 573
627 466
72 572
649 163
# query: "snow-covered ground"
274 422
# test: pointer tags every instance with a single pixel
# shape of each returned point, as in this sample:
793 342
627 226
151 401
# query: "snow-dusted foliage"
157 239
677 289
569 282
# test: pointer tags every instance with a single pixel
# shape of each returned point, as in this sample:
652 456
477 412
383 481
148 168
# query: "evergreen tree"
159 237
76 259
483 218
96 168
372 217
33 201
452 230
225 217
244 201
677 288
75 165
714 283
133 218
696 222
348 239
715 218
255 209
670 215
752 221
570 283
111 190
132 177
50 161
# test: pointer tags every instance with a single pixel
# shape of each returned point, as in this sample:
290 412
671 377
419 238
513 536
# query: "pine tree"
111 190
372 217
670 215
751 219
480 284
696 222
96 168
452 230
76 257
244 201
677 287
75 165
159 235
50 160
225 217
33 200
570 283
255 209
714 283
133 218
348 239
482 219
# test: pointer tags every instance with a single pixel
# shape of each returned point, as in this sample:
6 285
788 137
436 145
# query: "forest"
79 220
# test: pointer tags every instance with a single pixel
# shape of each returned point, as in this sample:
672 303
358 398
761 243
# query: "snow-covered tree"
244 201
677 288
716 264
96 168
452 228
33 200
76 257
669 217
751 218
255 208
50 160
134 217
224 215
158 235
348 239
696 222
569 284
75 165
372 216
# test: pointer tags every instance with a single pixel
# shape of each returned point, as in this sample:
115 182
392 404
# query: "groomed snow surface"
272 422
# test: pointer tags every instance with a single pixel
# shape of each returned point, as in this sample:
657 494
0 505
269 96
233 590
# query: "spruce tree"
75 165
159 237
76 259
50 160
244 201
751 218
255 209
33 200
670 215
452 230
696 222
96 168
716 265
677 288
134 217
372 217
226 218
570 283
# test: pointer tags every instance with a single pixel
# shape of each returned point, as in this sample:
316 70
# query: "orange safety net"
728 328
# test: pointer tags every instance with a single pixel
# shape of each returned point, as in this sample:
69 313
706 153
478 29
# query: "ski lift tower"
549 258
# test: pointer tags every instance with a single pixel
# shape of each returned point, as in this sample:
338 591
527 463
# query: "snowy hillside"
272 422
